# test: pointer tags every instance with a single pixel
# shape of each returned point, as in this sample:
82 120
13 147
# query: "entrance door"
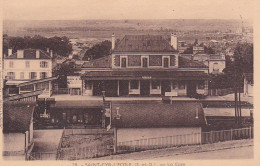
97 88
111 88
166 86
145 87
123 88
191 88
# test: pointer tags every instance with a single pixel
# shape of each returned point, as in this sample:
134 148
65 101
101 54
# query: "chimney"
48 50
37 54
10 51
51 53
20 54
113 41
174 41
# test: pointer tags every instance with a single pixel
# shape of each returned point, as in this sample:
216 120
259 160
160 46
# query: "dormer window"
145 61
166 62
123 62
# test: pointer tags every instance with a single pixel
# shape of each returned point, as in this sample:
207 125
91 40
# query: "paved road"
234 153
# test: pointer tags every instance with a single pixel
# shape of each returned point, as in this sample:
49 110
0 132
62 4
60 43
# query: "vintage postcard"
128 83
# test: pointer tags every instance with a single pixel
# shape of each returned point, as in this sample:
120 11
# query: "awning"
37 81
77 104
144 75
23 95
12 82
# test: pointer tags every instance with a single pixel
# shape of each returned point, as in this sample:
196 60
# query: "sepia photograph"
115 80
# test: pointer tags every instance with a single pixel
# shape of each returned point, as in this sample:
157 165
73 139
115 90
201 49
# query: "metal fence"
59 146
41 156
87 131
93 151
60 91
188 139
66 91
222 92
85 152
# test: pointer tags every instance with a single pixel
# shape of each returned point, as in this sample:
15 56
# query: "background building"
144 65
29 65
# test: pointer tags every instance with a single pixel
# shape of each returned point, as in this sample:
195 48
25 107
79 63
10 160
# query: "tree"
189 50
243 63
64 70
59 45
209 50
98 50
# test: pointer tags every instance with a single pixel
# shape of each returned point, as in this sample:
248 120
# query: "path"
46 141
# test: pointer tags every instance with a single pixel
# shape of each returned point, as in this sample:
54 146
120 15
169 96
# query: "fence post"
231 134
250 132
211 136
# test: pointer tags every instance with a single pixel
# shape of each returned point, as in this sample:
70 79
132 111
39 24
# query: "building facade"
29 65
144 65
17 130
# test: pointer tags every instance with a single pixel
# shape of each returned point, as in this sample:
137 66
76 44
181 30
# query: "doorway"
123 88
166 86
145 87
191 88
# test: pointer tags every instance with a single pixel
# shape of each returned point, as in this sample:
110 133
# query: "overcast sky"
126 9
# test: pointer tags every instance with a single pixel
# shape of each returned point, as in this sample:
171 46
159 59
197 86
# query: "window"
88 85
174 85
21 75
33 75
201 85
27 64
215 67
11 75
42 86
43 75
43 64
134 84
166 62
181 85
144 62
123 62
27 88
11 64
156 85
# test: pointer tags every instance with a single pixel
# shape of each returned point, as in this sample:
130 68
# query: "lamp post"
115 130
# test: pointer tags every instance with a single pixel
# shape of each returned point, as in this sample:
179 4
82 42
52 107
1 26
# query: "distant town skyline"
127 9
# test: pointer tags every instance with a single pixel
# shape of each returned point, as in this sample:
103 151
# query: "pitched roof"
188 63
31 54
17 116
143 43
178 114
104 62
